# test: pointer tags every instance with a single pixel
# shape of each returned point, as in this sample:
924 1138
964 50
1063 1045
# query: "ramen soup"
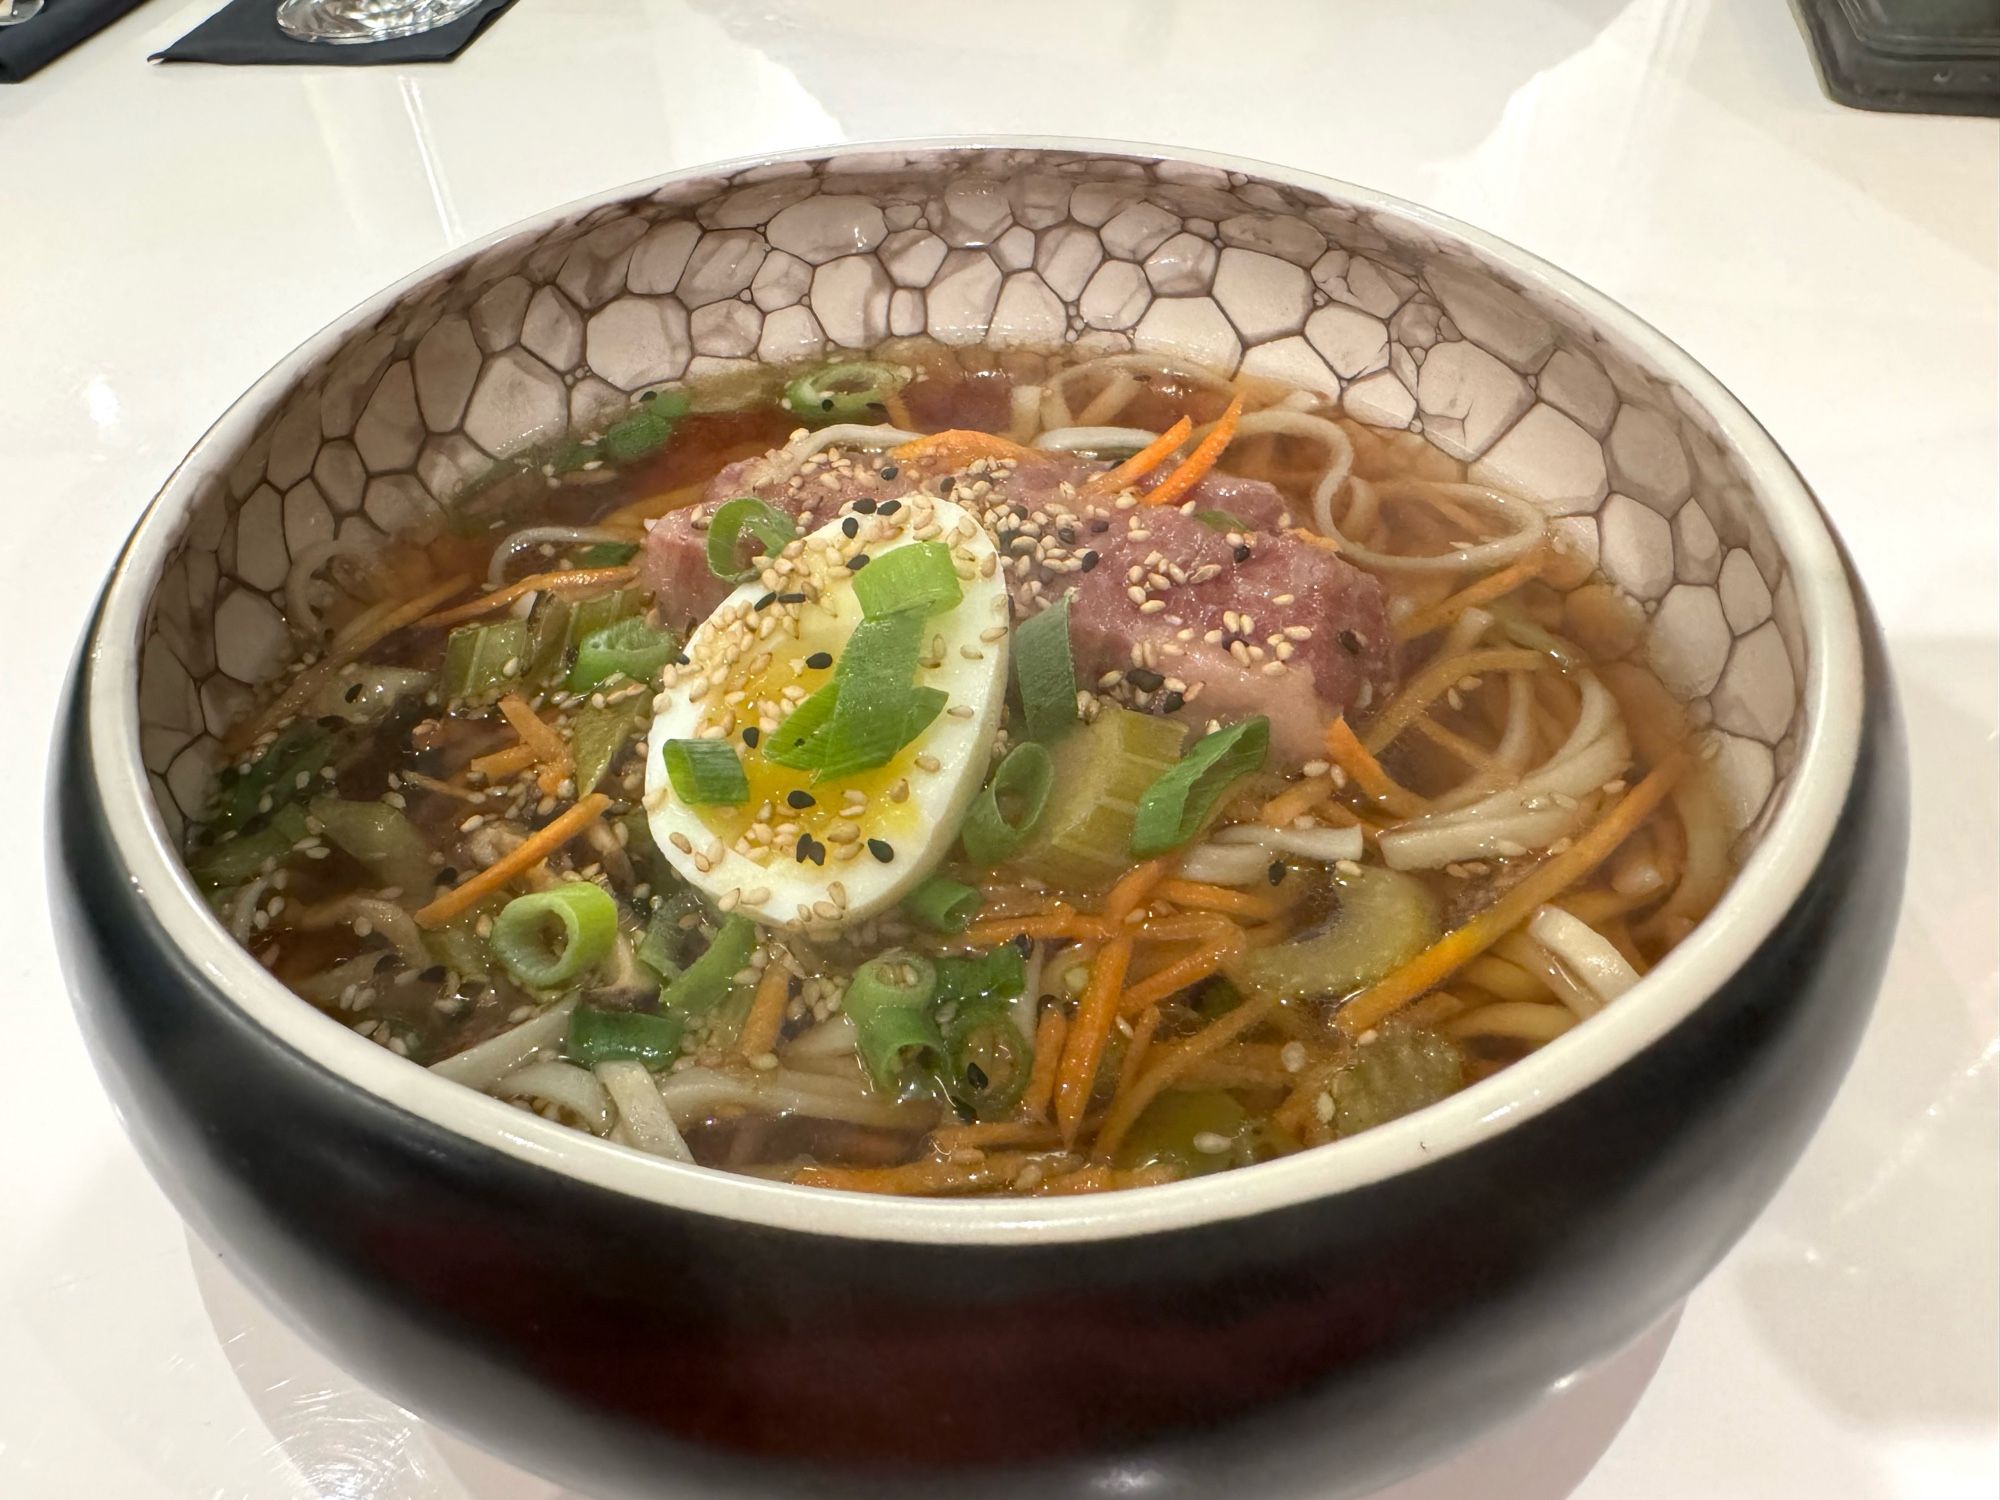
961 771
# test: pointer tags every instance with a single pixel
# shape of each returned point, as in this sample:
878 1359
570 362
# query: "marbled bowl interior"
1404 324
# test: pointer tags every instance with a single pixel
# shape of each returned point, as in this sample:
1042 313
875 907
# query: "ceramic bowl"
1348 1314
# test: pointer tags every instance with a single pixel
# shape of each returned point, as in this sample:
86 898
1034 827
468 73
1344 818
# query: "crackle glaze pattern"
560 323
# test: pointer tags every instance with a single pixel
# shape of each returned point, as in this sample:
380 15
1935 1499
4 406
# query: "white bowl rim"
1765 889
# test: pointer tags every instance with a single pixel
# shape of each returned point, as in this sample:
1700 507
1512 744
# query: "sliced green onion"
585 920
706 773
987 1058
664 947
997 974
549 637
646 429
703 984
869 711
790 744
588 616
297 751
888 1000
477 658
919 576
597 735
1022 784
1045 672
237 859
767 523
1222 520
601 1036
853 391
630 646
1173 808
606 554
381 838
943 905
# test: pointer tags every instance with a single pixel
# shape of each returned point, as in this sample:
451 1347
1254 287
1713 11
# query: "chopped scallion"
629 646
888 1000
943 905
852 391
706 773
918 577
1006 811
703 984
1173 808
765 522
584 921
601 1036
1045 672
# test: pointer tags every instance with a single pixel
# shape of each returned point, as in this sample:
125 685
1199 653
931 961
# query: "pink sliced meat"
1169 613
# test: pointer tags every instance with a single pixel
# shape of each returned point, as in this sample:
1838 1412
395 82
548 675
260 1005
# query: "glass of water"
363 20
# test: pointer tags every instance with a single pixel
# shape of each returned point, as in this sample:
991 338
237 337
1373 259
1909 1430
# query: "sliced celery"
381 838
477 659
1383 918
1101 771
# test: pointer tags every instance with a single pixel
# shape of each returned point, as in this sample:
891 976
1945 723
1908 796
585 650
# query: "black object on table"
35 43
1917 56
246 31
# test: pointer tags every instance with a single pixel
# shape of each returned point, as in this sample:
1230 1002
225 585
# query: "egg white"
780 889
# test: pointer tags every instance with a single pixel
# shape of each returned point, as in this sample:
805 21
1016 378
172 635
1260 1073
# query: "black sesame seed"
1276 873
888 471
387 962
1100 526
864 507
819 661
945 484
890 507
680 658
1023 944
849 526
766 602
791 598
1065 534
826 403
353 692
434 974
799 849
751 736
1090 560
882 850
446 876
1241 554
975 1075
857 562
1350 642
1172 703
800 799
1144 679
815 851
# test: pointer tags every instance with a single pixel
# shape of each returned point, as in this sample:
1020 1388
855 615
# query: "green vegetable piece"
664 948
1045 672
1007 809
888 1000
629 647
548 637
601 1036
852 391
997 974
868 712
476 658
1398 1073
244 856
1222 520
1381 920
767 523
381 838
646 430
919 576
1174 807
550 937
943 905
607 554
299 750
706 773
1167 1131
987 1058
598 735
706 982
459 947
588 616
1101 772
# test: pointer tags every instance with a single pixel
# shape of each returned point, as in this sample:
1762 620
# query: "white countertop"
167 233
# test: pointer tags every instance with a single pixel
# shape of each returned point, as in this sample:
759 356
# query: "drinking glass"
365 20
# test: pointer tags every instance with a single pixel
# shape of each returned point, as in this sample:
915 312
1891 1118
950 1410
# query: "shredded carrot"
932 1176
1173 1061
1133 887
504 763
767 1012
1223 898
1545 882
1060 921
1295 802
317 676
987 1133
1083 1050
1365 771
1435 680
530 852
1049 1034
576 578
1184 927
1485 591
1135 1053
551 751
1140 464
957 446
1183 972
1195 466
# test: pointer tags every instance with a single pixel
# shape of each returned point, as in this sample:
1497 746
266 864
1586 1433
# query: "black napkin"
246 31
40 40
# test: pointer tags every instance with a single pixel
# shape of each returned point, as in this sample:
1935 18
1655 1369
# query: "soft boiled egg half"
805 848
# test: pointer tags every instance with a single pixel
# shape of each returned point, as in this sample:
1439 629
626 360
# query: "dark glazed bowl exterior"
609 1338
